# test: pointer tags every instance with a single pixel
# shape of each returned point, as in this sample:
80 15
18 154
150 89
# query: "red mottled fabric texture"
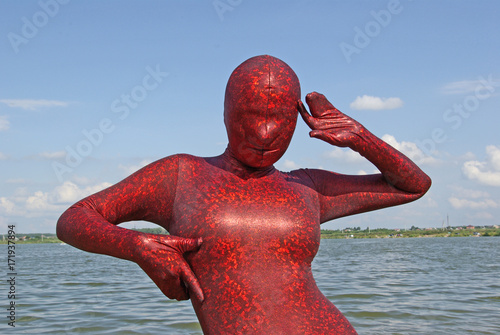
243 234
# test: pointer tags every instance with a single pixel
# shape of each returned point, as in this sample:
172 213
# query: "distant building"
470 227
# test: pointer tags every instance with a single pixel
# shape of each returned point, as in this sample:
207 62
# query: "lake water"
383 286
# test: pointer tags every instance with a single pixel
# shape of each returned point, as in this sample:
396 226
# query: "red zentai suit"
243 234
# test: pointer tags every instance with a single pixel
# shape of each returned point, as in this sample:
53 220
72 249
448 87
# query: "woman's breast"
268 219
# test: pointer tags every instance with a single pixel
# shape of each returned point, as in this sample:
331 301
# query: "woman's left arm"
400 180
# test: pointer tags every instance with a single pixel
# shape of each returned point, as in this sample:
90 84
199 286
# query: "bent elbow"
62 226
66 224
422 186
427 184
416 185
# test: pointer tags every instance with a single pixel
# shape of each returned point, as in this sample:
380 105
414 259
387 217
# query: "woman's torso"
260 236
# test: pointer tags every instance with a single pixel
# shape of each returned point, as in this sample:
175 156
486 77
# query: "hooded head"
260 110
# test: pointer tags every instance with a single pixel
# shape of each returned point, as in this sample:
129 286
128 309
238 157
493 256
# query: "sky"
90 91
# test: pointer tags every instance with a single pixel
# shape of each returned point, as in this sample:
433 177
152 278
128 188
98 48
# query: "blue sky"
90 91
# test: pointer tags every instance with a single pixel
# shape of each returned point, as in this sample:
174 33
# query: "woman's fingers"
191 282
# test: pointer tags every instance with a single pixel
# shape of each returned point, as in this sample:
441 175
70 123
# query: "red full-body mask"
260 110
243 234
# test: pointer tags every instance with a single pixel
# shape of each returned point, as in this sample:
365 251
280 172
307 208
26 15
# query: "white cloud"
4 123
346 155
66 193
6 205
467 156
81 180
472 199
460 87
488 172
289 165
52 155
469 193
2 156
470 86
364 173
494 154
375 103
472 204
429 202
41 203
31 104
129 169
410 149
69 192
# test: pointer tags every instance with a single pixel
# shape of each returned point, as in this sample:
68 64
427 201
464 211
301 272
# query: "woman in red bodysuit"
243 234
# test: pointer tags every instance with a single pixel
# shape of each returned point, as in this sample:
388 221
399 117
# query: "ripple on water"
383 286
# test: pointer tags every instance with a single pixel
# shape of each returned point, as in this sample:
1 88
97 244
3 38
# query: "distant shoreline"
348 233
356 233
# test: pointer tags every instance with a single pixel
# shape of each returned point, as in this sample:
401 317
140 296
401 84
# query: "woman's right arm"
148 194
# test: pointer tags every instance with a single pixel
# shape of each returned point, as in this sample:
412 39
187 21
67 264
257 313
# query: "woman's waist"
256 267
255 280
235 307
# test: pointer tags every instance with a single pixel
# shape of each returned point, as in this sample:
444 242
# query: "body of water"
383 286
